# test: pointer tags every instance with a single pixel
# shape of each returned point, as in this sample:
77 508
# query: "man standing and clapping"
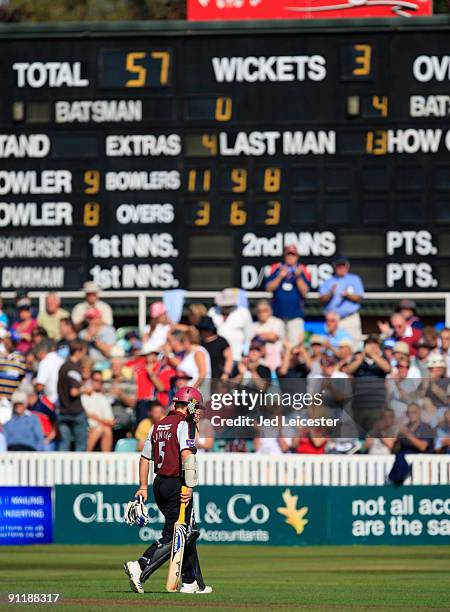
289 281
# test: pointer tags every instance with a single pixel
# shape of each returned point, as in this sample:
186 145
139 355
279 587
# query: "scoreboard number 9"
92 180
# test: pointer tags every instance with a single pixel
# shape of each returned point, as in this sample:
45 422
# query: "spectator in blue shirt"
289 281
342 293
23 432
334 335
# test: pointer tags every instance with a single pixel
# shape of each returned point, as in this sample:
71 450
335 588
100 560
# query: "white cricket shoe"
193 587
133 571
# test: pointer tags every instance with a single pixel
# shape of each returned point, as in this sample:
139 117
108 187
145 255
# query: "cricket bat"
176 557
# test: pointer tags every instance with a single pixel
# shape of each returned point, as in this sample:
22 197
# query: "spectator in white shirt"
155 333
46 381
233 322
92 300
401 349
270 330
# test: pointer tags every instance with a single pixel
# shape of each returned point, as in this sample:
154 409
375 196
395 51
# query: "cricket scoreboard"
176 156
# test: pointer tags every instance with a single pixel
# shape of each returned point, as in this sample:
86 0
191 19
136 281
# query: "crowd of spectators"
72 381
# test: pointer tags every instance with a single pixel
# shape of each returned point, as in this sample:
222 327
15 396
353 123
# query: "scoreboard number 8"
91 214
272 180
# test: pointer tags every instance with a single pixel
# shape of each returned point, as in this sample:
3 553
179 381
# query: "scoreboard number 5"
140 71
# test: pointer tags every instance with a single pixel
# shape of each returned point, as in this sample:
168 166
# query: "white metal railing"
48 469
142 297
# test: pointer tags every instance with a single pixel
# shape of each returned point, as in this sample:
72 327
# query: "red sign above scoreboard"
208 10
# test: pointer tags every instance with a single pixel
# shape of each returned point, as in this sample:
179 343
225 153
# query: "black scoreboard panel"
189 159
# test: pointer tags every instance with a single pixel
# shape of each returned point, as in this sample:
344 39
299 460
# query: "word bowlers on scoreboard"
178 542
189 158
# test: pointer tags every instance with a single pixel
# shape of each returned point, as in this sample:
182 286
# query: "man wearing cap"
289 281
342 293
423 349
23 432
345 352
232 322
92 300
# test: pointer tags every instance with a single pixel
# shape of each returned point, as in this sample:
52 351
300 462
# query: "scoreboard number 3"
203 213
363 59
357 62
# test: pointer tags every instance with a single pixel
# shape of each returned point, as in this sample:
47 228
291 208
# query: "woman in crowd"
190 358
22 330
159 326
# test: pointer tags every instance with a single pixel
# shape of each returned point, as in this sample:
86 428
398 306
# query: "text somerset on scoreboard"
191 161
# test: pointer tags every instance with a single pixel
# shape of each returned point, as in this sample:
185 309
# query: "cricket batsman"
171 446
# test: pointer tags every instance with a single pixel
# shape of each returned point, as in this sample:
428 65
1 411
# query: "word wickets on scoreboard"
191 160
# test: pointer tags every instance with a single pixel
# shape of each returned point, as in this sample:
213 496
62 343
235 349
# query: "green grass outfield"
243 577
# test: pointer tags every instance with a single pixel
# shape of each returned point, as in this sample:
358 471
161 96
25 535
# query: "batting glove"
136 512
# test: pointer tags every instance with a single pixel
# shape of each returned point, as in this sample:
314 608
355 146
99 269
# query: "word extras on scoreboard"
190 161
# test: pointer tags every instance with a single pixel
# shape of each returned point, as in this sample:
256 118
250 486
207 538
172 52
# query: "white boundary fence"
48 469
